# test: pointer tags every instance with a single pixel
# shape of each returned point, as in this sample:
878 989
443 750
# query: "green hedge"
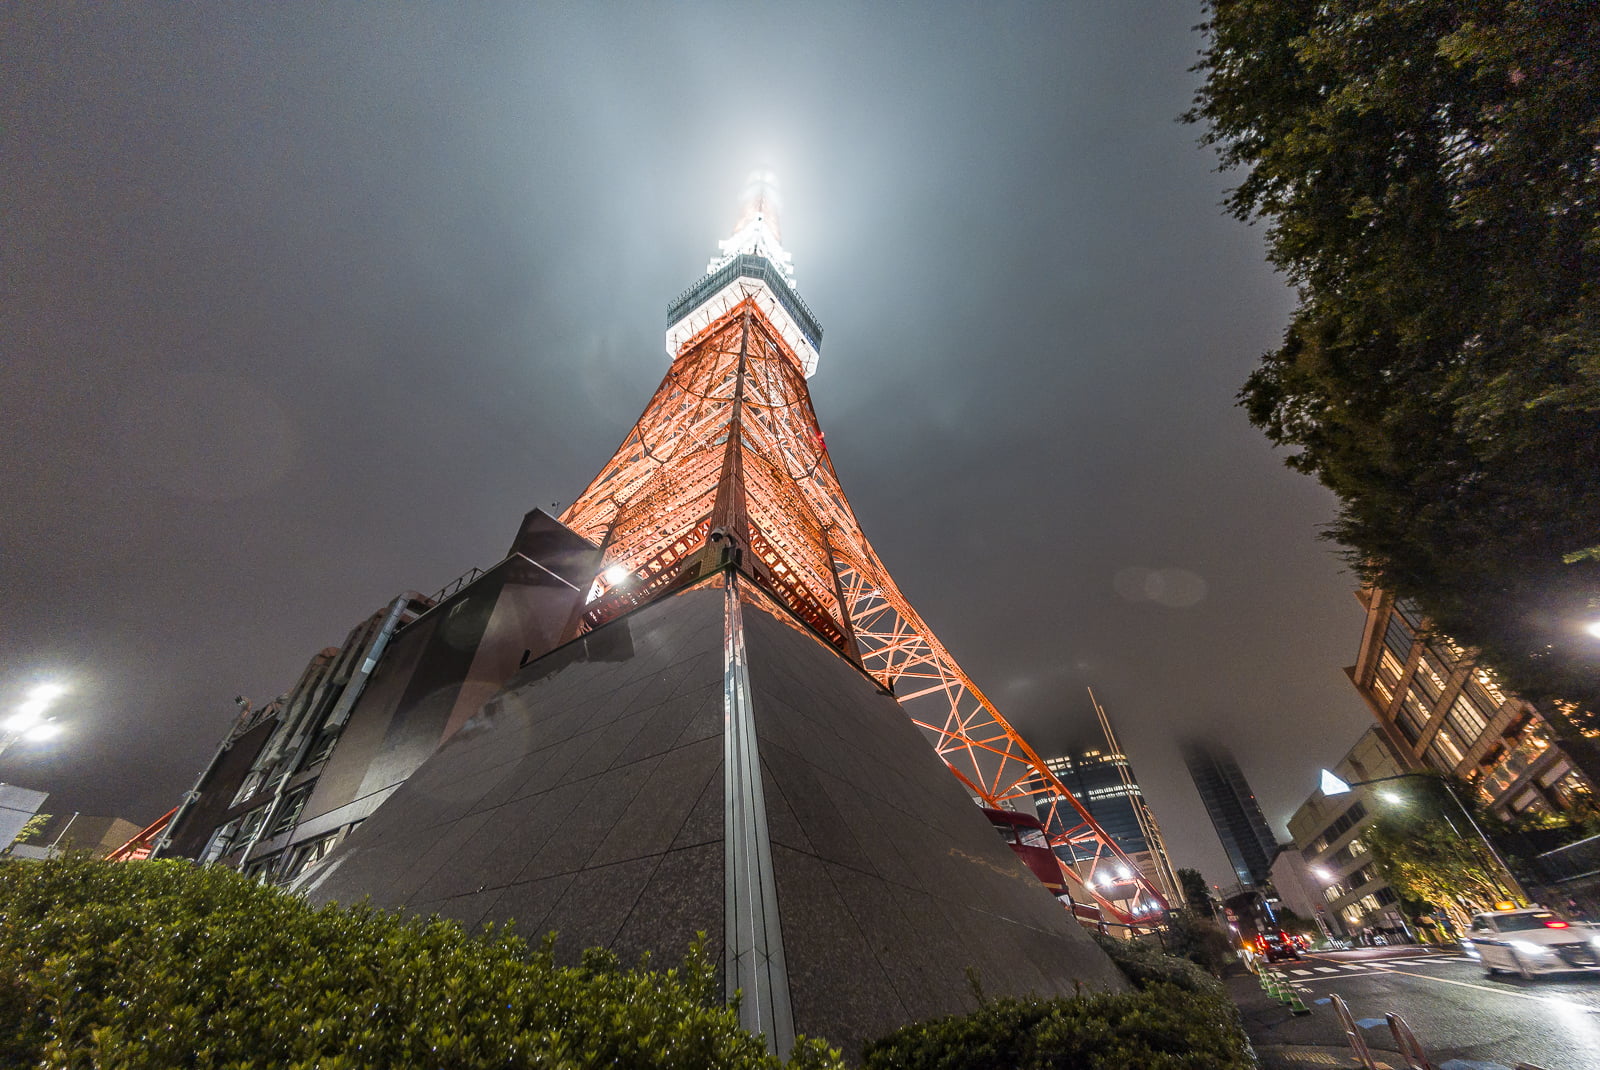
1146 966
166 964
1178 1018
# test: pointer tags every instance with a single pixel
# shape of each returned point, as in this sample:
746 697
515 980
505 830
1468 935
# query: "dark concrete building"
1234 812
705 763
295 776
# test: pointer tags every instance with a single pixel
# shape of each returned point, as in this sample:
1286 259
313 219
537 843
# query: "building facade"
1095 776
293 778
1234 811
1347 893
1441 712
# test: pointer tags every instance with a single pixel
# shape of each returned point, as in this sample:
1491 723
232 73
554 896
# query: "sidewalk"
1285 1042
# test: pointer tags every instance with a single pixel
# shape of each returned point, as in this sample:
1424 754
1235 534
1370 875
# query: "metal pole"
1511 879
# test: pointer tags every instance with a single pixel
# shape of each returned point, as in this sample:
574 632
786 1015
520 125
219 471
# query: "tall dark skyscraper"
1240 825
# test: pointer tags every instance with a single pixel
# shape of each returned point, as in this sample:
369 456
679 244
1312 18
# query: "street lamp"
1334 785
29 722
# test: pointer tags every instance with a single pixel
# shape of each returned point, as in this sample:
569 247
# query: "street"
1464 1020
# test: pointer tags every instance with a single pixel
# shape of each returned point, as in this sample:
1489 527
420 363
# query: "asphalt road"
1465 1020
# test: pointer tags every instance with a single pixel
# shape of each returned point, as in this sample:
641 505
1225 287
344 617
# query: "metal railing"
1581 859
1413 1056
750 266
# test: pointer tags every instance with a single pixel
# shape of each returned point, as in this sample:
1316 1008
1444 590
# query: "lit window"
1465 718
1444 752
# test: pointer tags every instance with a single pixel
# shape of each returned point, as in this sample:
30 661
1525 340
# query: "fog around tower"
306 305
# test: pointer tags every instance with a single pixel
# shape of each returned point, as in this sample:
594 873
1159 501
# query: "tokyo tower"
727 468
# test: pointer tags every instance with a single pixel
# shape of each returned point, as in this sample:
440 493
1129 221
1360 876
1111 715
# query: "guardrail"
1405 1042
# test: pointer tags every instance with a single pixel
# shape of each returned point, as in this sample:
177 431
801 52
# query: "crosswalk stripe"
1325 969
1301 973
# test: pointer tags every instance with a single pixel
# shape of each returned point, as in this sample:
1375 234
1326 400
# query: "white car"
1532 941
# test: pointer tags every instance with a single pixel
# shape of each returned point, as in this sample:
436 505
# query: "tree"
31 828
1193 884
1430 174
1424 857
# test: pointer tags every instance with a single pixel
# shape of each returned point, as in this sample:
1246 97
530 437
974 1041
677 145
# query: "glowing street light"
1593 628
29 722
47 693
616 574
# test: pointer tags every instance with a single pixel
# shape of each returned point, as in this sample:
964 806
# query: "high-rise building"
1443 712
1234 811
1102 780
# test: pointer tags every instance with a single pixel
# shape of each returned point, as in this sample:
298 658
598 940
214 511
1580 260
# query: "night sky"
305 305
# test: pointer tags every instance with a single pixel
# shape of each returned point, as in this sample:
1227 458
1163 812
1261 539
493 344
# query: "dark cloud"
305 304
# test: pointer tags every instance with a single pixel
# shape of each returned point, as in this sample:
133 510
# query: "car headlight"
1529 949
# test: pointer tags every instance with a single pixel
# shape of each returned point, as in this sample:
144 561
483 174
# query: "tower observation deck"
727 468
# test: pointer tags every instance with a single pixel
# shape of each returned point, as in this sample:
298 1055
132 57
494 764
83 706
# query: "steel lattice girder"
729 447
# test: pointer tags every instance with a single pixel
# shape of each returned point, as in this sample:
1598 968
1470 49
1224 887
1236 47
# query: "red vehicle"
1277 946
1027 838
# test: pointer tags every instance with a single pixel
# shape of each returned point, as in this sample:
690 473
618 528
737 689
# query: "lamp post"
1334 785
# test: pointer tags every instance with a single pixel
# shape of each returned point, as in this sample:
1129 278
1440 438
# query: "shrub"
1162 1027
164 964
1201 941
1147 966
1178 1018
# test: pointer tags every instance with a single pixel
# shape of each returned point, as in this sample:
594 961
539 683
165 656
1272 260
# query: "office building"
1347 891
1440 711
1234 811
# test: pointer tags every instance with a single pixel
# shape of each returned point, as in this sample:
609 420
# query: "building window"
321 747
252 823
1465 719
252 781
1412 613
261 869
1444 752
1339 826
1430 676
222 839
1515 763
289 809
1412 717
1397 637
309 854
1390 667
1484 684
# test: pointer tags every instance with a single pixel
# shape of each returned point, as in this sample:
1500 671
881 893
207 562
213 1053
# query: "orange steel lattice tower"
728 464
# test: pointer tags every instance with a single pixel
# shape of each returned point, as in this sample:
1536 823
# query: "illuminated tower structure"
728 462
720 741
